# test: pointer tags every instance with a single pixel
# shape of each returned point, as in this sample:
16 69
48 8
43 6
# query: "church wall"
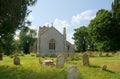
52 33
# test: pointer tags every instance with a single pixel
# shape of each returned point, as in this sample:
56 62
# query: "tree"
100 30
116 21
12 17
80 37
27 37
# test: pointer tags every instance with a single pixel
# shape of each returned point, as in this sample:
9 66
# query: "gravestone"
85 59
60 61
1 56
17 61
73 72
104 67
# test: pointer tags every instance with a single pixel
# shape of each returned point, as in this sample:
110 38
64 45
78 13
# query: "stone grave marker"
1 56
104 67
17 61
60 61
73 72
85 59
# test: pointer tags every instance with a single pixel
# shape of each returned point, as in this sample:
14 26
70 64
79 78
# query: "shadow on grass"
94 66
110 71
19 72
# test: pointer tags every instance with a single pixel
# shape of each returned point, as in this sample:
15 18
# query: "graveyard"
31 68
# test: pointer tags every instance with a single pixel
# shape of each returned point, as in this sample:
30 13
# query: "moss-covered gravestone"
85 59
104 67
17 61
1 56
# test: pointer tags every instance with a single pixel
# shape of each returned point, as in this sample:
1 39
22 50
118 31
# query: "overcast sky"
66 13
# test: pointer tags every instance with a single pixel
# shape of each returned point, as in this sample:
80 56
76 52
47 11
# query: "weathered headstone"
85 59
104 67
1 56
72 72
17 61
60 61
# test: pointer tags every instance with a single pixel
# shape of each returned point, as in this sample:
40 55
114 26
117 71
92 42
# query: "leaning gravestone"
72 72
60 61
17 61
1 56
104 67
85 59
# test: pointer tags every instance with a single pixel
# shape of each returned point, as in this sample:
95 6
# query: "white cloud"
30 17
32 27
59 24
16 37
69 37
84 16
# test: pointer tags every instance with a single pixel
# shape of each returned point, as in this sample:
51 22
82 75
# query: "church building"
50 41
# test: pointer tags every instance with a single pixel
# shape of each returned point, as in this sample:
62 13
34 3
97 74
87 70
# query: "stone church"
50 41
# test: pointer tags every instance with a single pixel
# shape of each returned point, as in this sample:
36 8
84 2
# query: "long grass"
31 69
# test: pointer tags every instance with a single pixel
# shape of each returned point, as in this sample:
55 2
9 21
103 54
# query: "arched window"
52 44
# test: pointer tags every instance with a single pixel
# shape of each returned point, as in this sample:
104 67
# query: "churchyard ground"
30 68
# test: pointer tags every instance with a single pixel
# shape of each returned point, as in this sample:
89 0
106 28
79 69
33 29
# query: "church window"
52 44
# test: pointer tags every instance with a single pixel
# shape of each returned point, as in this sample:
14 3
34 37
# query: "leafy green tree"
27 37
80 37
116 26
100 29
12 17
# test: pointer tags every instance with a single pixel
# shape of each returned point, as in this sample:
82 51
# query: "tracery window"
52 44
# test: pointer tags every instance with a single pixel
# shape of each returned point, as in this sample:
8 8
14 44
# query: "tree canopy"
80 37
12 17
27 37
103 31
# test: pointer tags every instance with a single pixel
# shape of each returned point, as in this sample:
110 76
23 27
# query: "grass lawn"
31 69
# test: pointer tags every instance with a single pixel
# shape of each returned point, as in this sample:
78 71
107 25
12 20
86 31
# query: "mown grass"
31 69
